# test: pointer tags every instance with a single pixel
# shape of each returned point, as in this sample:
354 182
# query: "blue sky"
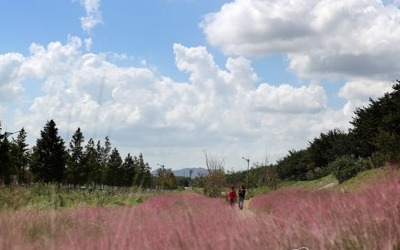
178 79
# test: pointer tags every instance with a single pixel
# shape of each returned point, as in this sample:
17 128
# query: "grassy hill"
361 180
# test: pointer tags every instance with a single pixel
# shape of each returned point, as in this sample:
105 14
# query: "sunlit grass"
365 179
313 184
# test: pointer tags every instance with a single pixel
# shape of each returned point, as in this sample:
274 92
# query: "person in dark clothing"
242 194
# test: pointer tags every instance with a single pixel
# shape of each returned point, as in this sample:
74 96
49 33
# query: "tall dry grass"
285 219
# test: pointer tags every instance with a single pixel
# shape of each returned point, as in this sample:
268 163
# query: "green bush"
378 160
363 164
345 168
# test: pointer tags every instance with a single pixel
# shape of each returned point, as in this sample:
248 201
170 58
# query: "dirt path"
246 205
246 209
329 185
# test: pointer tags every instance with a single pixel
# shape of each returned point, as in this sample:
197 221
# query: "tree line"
371 142
50 161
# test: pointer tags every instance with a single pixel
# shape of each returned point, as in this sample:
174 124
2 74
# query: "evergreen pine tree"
49 155
5 163
19 155
76 171
114 174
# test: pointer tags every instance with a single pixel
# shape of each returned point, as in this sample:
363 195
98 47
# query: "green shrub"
363 164
378 160
344 168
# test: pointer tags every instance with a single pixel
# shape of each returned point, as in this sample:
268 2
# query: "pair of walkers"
232 196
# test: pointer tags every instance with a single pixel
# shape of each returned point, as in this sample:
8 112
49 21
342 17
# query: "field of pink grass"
285 219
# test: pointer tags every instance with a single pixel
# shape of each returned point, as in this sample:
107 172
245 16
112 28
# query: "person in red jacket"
232 196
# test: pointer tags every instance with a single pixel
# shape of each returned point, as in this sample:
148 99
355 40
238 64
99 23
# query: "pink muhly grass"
368 219
176 221
50 229
189 222
284 219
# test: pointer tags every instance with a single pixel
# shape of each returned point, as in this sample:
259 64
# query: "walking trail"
246 208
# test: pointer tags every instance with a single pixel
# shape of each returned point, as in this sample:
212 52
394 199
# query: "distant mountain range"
185 172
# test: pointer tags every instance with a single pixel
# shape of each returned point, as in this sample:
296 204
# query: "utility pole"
162 175
247 175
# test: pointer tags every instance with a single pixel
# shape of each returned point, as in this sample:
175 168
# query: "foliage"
183 181
387 144
91 165
49 155
115 170
328 147
76 172
374 138
165 179
390 124
19 156
95 171
236 178
131 167
214 181
263 175
271 177
5 163
345 168
377 127
143 177
377 160
294 166
366 127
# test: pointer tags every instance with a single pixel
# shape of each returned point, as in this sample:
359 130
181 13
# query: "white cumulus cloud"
320 37
142 110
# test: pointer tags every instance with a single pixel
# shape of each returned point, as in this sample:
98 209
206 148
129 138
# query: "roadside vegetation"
52 197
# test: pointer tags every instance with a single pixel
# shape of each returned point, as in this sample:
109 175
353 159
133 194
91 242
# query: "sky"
179 80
